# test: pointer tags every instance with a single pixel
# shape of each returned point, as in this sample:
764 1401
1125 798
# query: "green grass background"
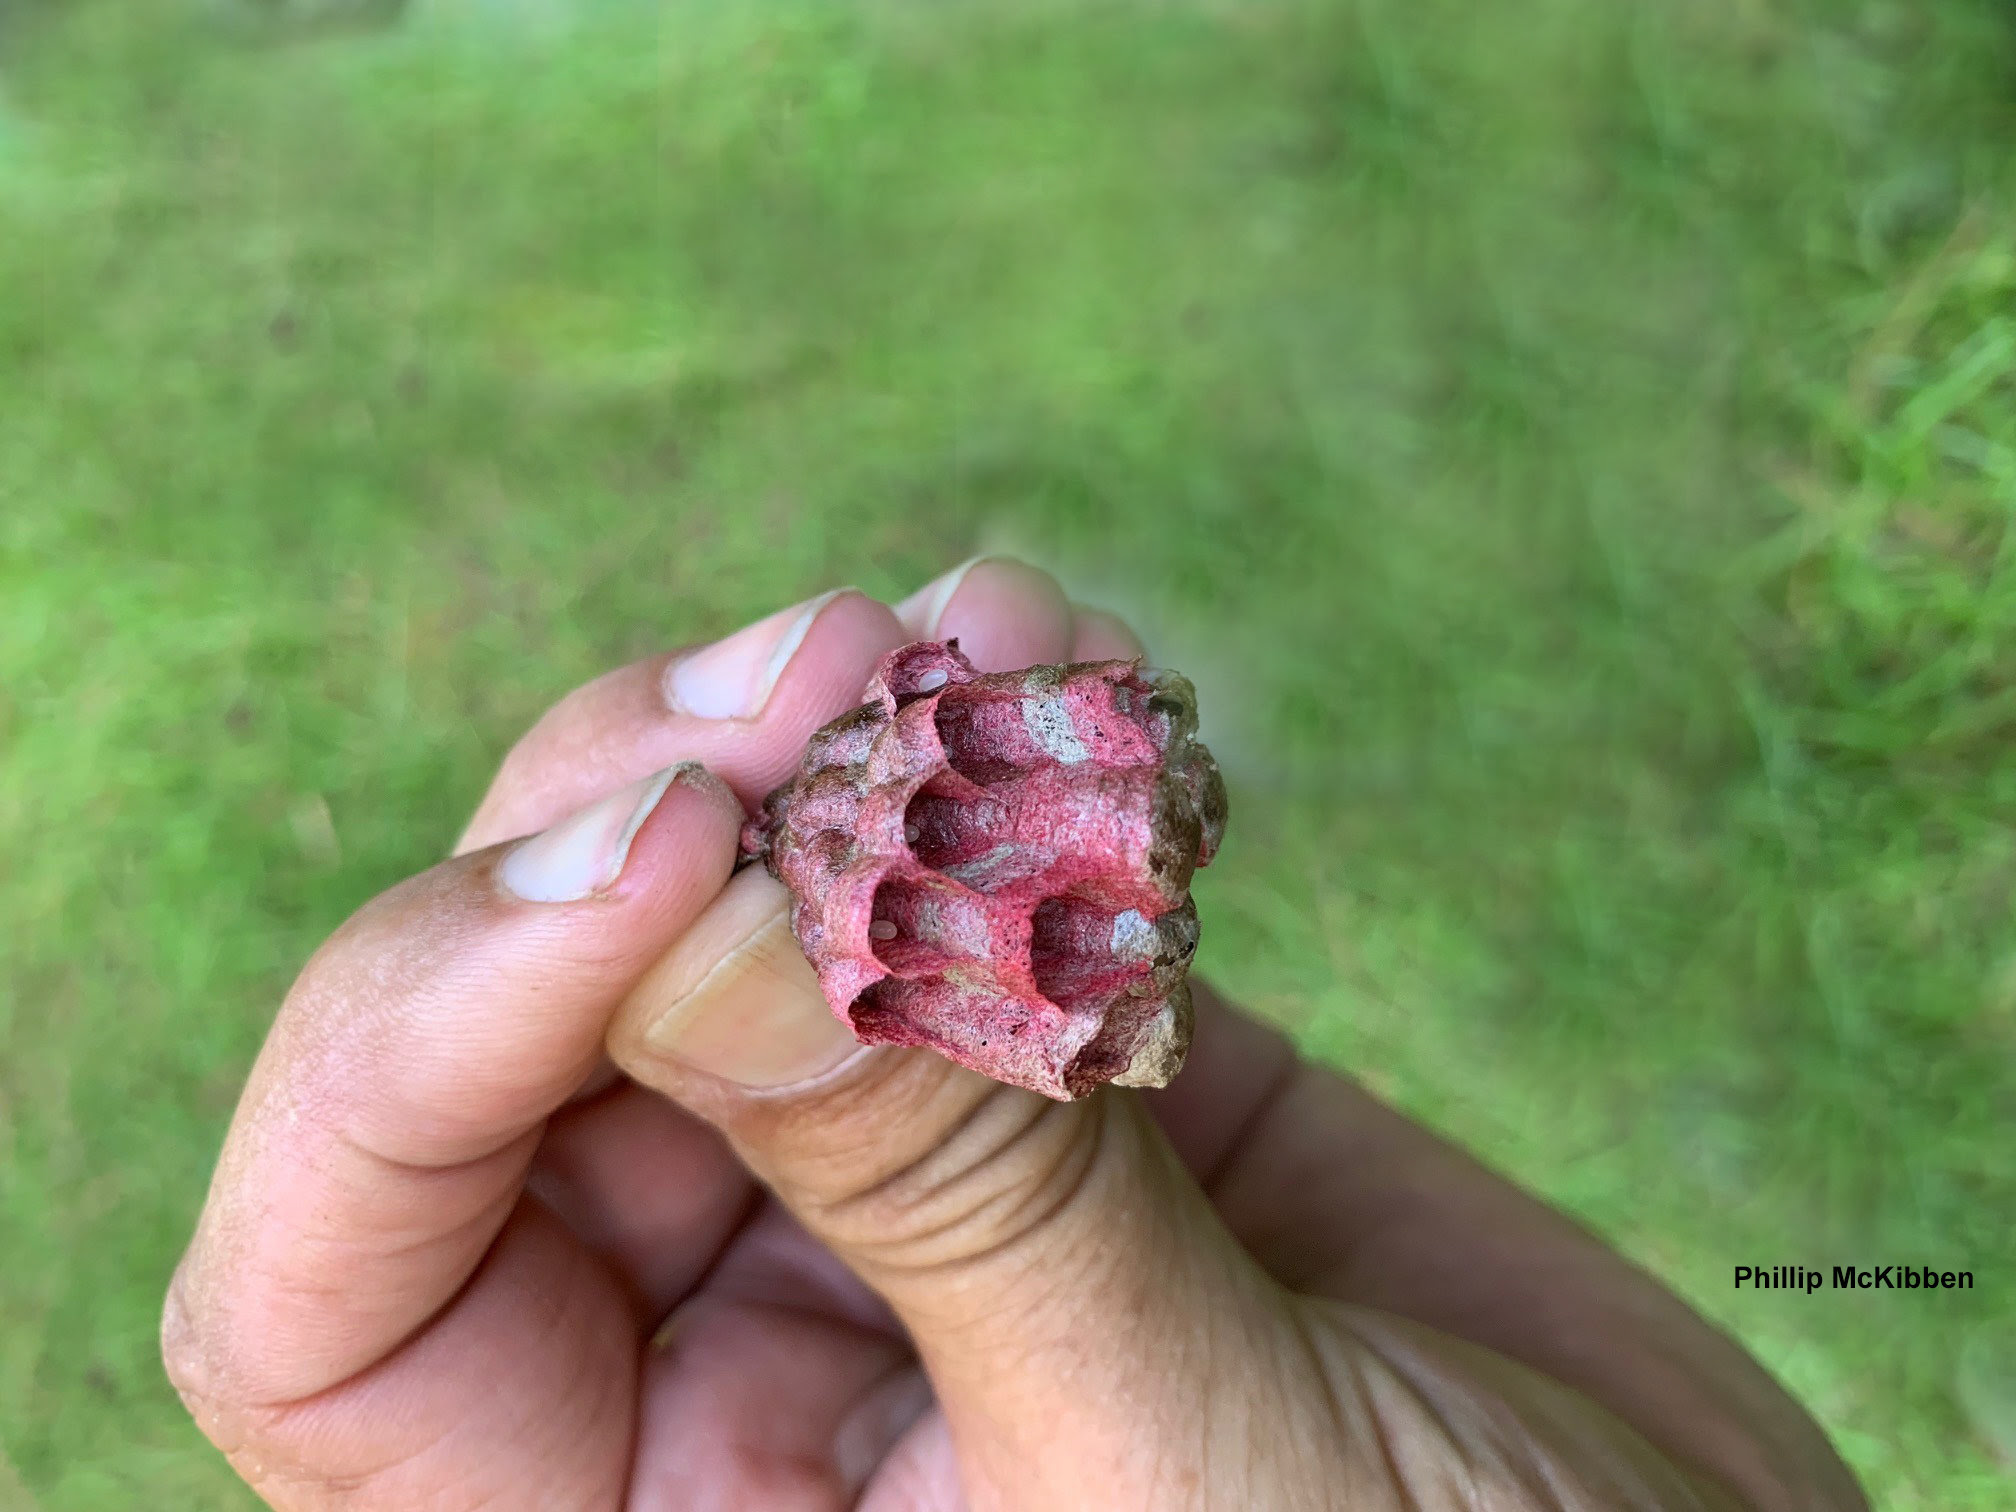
1573 444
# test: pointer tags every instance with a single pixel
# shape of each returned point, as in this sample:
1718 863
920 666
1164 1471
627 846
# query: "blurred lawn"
1574 445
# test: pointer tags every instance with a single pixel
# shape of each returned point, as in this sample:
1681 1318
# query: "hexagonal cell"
974 842
943 832
919 929
898 1012
983 739
1083 955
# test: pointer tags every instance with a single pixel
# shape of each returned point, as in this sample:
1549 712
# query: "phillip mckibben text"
1852 1278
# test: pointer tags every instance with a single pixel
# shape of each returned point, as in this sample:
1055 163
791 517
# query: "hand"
452 1257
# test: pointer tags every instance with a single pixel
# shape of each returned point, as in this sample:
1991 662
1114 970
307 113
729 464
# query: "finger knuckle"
265 1442
193 1350
1005 1172
183 1355
564 726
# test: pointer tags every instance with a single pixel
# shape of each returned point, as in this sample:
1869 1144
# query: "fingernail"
921 611
584 855
1100 636
1004 612
732 679
735 997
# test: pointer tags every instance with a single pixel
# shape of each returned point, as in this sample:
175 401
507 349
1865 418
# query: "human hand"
451 1257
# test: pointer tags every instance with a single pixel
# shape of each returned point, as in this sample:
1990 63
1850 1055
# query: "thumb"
1069 1289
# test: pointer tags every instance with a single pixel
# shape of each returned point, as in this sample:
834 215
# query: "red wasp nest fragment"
998 866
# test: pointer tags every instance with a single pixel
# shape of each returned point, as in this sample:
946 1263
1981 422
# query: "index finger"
381 1140
384 1134
743 707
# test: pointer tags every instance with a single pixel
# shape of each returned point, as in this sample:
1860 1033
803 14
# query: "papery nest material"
998 865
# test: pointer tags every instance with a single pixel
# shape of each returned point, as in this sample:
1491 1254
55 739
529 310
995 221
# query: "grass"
1574 445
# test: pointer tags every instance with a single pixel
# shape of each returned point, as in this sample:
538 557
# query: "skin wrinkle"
364 1123
529 1136
834 1123
1044 1289
1027 1218
1682 1375
232 1320
473 1234
1347 1426
1481 1462
347 1484
1032 1206
1253 1336
1529 1427
1380 1436
272 1428
1490 1467
1363 1361
598 1388
183 1353
1288 1343
1389 1226
887 1188
1266 1334
1078 1280
947 1189
1246 1425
